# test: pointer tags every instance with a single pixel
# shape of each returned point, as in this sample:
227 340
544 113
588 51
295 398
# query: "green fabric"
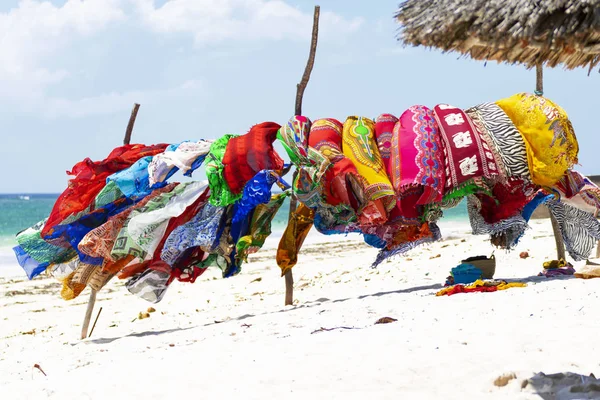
260 227
41 251
124 244
220 194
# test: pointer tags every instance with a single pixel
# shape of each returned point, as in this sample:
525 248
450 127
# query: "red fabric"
326 137
249 154
384 125
461 289
90 178
156 263
466 153
507 201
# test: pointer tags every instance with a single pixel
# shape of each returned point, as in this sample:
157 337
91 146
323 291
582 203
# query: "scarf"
580 230
100 241
220 193
260 227
89 177
293 136
342 185
248 154
293 238
547 133
384 125
504 139
187 157
148 228
468 157
360 146
578 191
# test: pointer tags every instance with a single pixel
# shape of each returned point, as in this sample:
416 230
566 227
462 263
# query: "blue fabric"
134 181
374 241
76 230
466 273
203 230
530 207
31 267
257 191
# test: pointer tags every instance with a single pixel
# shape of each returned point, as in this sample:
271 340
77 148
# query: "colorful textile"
548 135
89 177
578 191
360 146
479 286
257 191
406 238
248 154
293 237
75 231
100 241
468 158
260 227
133 181
202 231
416 156
505 232
220 193
580 230
384 126
187 157
31 247
505 200
505 139
148 228
342 186
125 245
294 138
151 285
31 267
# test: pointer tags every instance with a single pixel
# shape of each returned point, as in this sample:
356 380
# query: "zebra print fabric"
579 229
507 231
507 140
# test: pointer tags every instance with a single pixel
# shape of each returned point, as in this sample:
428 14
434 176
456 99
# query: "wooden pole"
92 299
300 87
539 90
134 111
88 314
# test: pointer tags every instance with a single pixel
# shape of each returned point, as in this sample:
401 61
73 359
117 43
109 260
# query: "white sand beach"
234 338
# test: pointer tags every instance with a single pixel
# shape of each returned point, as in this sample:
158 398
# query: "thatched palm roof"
554 32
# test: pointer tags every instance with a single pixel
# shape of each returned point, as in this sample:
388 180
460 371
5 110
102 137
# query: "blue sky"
71 70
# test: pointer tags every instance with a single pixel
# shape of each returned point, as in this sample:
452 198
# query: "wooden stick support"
88 314
96 320
300 87
539 90
92 299
134 111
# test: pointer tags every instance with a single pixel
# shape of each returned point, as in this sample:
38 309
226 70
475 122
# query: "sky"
70 71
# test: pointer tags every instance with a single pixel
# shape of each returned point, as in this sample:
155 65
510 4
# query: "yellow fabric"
293 237
548 135
501 285
555 264
360 146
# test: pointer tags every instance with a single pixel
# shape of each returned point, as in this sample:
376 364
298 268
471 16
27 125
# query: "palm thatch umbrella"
527 32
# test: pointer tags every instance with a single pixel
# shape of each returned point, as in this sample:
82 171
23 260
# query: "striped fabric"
506 139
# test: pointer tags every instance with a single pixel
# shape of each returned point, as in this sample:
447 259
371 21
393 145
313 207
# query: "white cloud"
212 21
36 34
34 31
109 103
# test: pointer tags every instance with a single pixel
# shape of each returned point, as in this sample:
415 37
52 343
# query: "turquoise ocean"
20 211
